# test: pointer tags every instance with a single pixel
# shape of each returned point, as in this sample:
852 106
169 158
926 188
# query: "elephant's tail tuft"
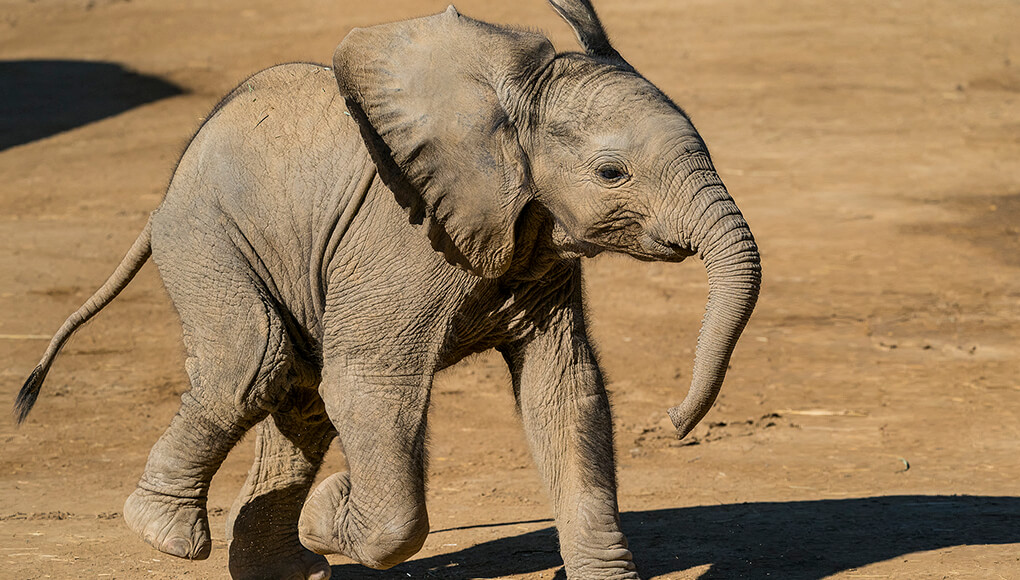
28 394
126 270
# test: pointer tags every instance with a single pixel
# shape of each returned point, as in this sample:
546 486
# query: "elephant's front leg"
375 512
262 528
567 419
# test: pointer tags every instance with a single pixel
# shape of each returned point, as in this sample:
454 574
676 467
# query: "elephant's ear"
434 98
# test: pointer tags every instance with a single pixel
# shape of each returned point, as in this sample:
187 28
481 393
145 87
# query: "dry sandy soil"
869 425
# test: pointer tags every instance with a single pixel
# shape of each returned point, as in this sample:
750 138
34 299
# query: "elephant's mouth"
642 245
570 246
653 249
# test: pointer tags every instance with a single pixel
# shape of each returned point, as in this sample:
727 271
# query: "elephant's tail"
129 266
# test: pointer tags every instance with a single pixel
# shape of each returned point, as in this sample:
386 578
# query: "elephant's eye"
611 173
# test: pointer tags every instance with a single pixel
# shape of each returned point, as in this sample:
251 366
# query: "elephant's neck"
534 253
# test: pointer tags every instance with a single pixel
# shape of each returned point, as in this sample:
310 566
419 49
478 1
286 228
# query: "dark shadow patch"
992 223
40 98
798 540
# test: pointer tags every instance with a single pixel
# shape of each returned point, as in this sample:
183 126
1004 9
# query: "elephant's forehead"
615 106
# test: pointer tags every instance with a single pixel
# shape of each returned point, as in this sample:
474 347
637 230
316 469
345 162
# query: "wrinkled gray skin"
313 306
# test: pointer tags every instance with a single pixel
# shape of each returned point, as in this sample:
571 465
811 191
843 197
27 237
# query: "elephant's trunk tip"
684 419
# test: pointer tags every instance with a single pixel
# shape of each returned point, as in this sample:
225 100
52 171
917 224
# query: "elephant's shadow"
39 98
799 540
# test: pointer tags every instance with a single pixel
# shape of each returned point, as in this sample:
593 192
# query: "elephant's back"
264 178
300 83
304 93
281 143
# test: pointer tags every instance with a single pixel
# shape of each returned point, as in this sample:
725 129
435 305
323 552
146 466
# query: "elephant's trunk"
721 236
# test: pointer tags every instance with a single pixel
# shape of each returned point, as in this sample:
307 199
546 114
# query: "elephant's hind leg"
262 527
238 357
168 508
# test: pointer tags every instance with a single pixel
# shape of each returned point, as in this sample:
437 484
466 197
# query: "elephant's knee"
331 524
393 542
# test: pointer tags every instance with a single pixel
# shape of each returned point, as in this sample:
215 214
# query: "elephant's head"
469 123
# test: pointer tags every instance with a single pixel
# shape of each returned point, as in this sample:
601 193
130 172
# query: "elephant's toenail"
179 547
203 551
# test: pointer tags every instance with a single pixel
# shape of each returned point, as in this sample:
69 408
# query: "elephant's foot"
601 572
293 563
589 556
378 542
177 526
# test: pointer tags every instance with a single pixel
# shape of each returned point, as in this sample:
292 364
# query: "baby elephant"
334 236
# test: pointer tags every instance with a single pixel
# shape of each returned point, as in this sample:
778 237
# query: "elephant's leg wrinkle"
375 512
262 527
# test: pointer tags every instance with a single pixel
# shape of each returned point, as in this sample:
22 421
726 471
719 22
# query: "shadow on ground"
801 540
989 222
39 98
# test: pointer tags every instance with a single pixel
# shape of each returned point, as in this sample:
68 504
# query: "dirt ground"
869 424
